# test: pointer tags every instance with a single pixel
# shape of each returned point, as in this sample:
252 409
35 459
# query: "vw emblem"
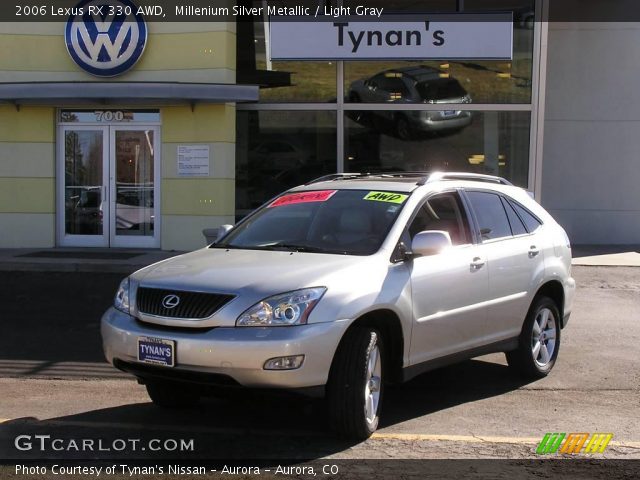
107 37
170 301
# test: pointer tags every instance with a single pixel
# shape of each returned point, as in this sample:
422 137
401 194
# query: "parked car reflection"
84 210
411 85
134 210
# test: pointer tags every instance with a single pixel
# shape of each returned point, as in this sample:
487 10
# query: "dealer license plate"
157 351
449 113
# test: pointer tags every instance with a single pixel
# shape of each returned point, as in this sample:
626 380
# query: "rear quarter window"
517 226
530 221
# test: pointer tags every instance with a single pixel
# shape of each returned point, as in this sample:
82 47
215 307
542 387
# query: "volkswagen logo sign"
170 301
107 37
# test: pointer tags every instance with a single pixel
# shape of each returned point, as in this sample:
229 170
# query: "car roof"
418 72
405 181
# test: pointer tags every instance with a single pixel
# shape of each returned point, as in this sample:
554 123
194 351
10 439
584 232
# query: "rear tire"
539 341
172 395
355 388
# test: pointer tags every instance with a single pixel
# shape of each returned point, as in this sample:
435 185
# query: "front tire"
169 395
539 341
356 385
403 128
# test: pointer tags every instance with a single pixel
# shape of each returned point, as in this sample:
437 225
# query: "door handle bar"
477 263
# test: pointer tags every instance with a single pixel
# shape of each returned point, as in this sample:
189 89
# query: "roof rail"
335 176
423 177
474 177
383 175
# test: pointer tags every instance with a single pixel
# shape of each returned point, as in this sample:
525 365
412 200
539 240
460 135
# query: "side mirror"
430 242
214 234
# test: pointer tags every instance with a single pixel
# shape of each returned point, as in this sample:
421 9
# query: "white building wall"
591 157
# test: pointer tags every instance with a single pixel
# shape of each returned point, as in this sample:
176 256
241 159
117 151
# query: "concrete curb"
69 267
18 260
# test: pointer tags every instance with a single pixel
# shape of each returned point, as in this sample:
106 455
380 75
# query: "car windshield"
347 222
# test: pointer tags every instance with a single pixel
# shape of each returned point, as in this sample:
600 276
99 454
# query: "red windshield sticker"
303 197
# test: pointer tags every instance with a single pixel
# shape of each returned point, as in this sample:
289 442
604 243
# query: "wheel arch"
388 323
555 291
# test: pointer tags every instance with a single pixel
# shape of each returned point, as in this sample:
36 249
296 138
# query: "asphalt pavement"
54 381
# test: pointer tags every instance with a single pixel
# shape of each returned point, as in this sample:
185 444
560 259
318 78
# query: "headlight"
292 308
121 302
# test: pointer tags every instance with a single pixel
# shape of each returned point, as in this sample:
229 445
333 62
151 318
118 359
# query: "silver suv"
346 284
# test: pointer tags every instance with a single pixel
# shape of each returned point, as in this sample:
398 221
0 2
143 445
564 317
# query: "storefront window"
495 143
277 150
291 82
394 115
471 81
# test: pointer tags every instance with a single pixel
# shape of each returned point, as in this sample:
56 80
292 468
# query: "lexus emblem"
170 301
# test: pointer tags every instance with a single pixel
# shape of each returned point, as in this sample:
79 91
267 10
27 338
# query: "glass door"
134 193
108 179
83 173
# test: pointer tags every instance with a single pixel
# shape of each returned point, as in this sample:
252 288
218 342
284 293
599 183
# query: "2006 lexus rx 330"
346 284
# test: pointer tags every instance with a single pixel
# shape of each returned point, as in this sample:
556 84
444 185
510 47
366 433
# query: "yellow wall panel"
184 232
189 50
22 159
27 195
173 51
27 230
30 124
198 196
207 123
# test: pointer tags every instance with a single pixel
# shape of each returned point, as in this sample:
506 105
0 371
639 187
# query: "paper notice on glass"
193 160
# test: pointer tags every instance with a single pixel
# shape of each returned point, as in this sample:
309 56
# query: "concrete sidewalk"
606 255
110 260
99 260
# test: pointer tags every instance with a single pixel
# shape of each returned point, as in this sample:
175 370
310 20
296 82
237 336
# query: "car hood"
241 272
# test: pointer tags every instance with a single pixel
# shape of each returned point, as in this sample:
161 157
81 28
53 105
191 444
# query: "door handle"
477 263
533 251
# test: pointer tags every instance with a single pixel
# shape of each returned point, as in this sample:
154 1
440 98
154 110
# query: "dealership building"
142 133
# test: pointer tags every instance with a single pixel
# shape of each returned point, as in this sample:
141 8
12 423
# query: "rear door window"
492 217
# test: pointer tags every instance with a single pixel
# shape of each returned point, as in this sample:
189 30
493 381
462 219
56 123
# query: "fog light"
284 363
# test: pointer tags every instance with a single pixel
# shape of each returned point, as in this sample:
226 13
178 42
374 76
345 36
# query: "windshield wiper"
295 248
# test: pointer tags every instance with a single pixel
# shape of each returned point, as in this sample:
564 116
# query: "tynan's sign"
106 37
408 37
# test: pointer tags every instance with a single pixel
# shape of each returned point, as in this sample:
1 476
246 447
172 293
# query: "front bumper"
569 295
227 352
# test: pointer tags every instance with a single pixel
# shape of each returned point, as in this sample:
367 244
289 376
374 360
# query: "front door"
108 177
450 289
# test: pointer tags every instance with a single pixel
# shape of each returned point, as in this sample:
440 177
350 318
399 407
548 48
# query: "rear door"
514 259
449 289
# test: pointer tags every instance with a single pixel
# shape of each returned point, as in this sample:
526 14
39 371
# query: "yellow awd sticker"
388 197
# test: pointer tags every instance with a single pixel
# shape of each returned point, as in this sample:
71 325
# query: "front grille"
190 305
